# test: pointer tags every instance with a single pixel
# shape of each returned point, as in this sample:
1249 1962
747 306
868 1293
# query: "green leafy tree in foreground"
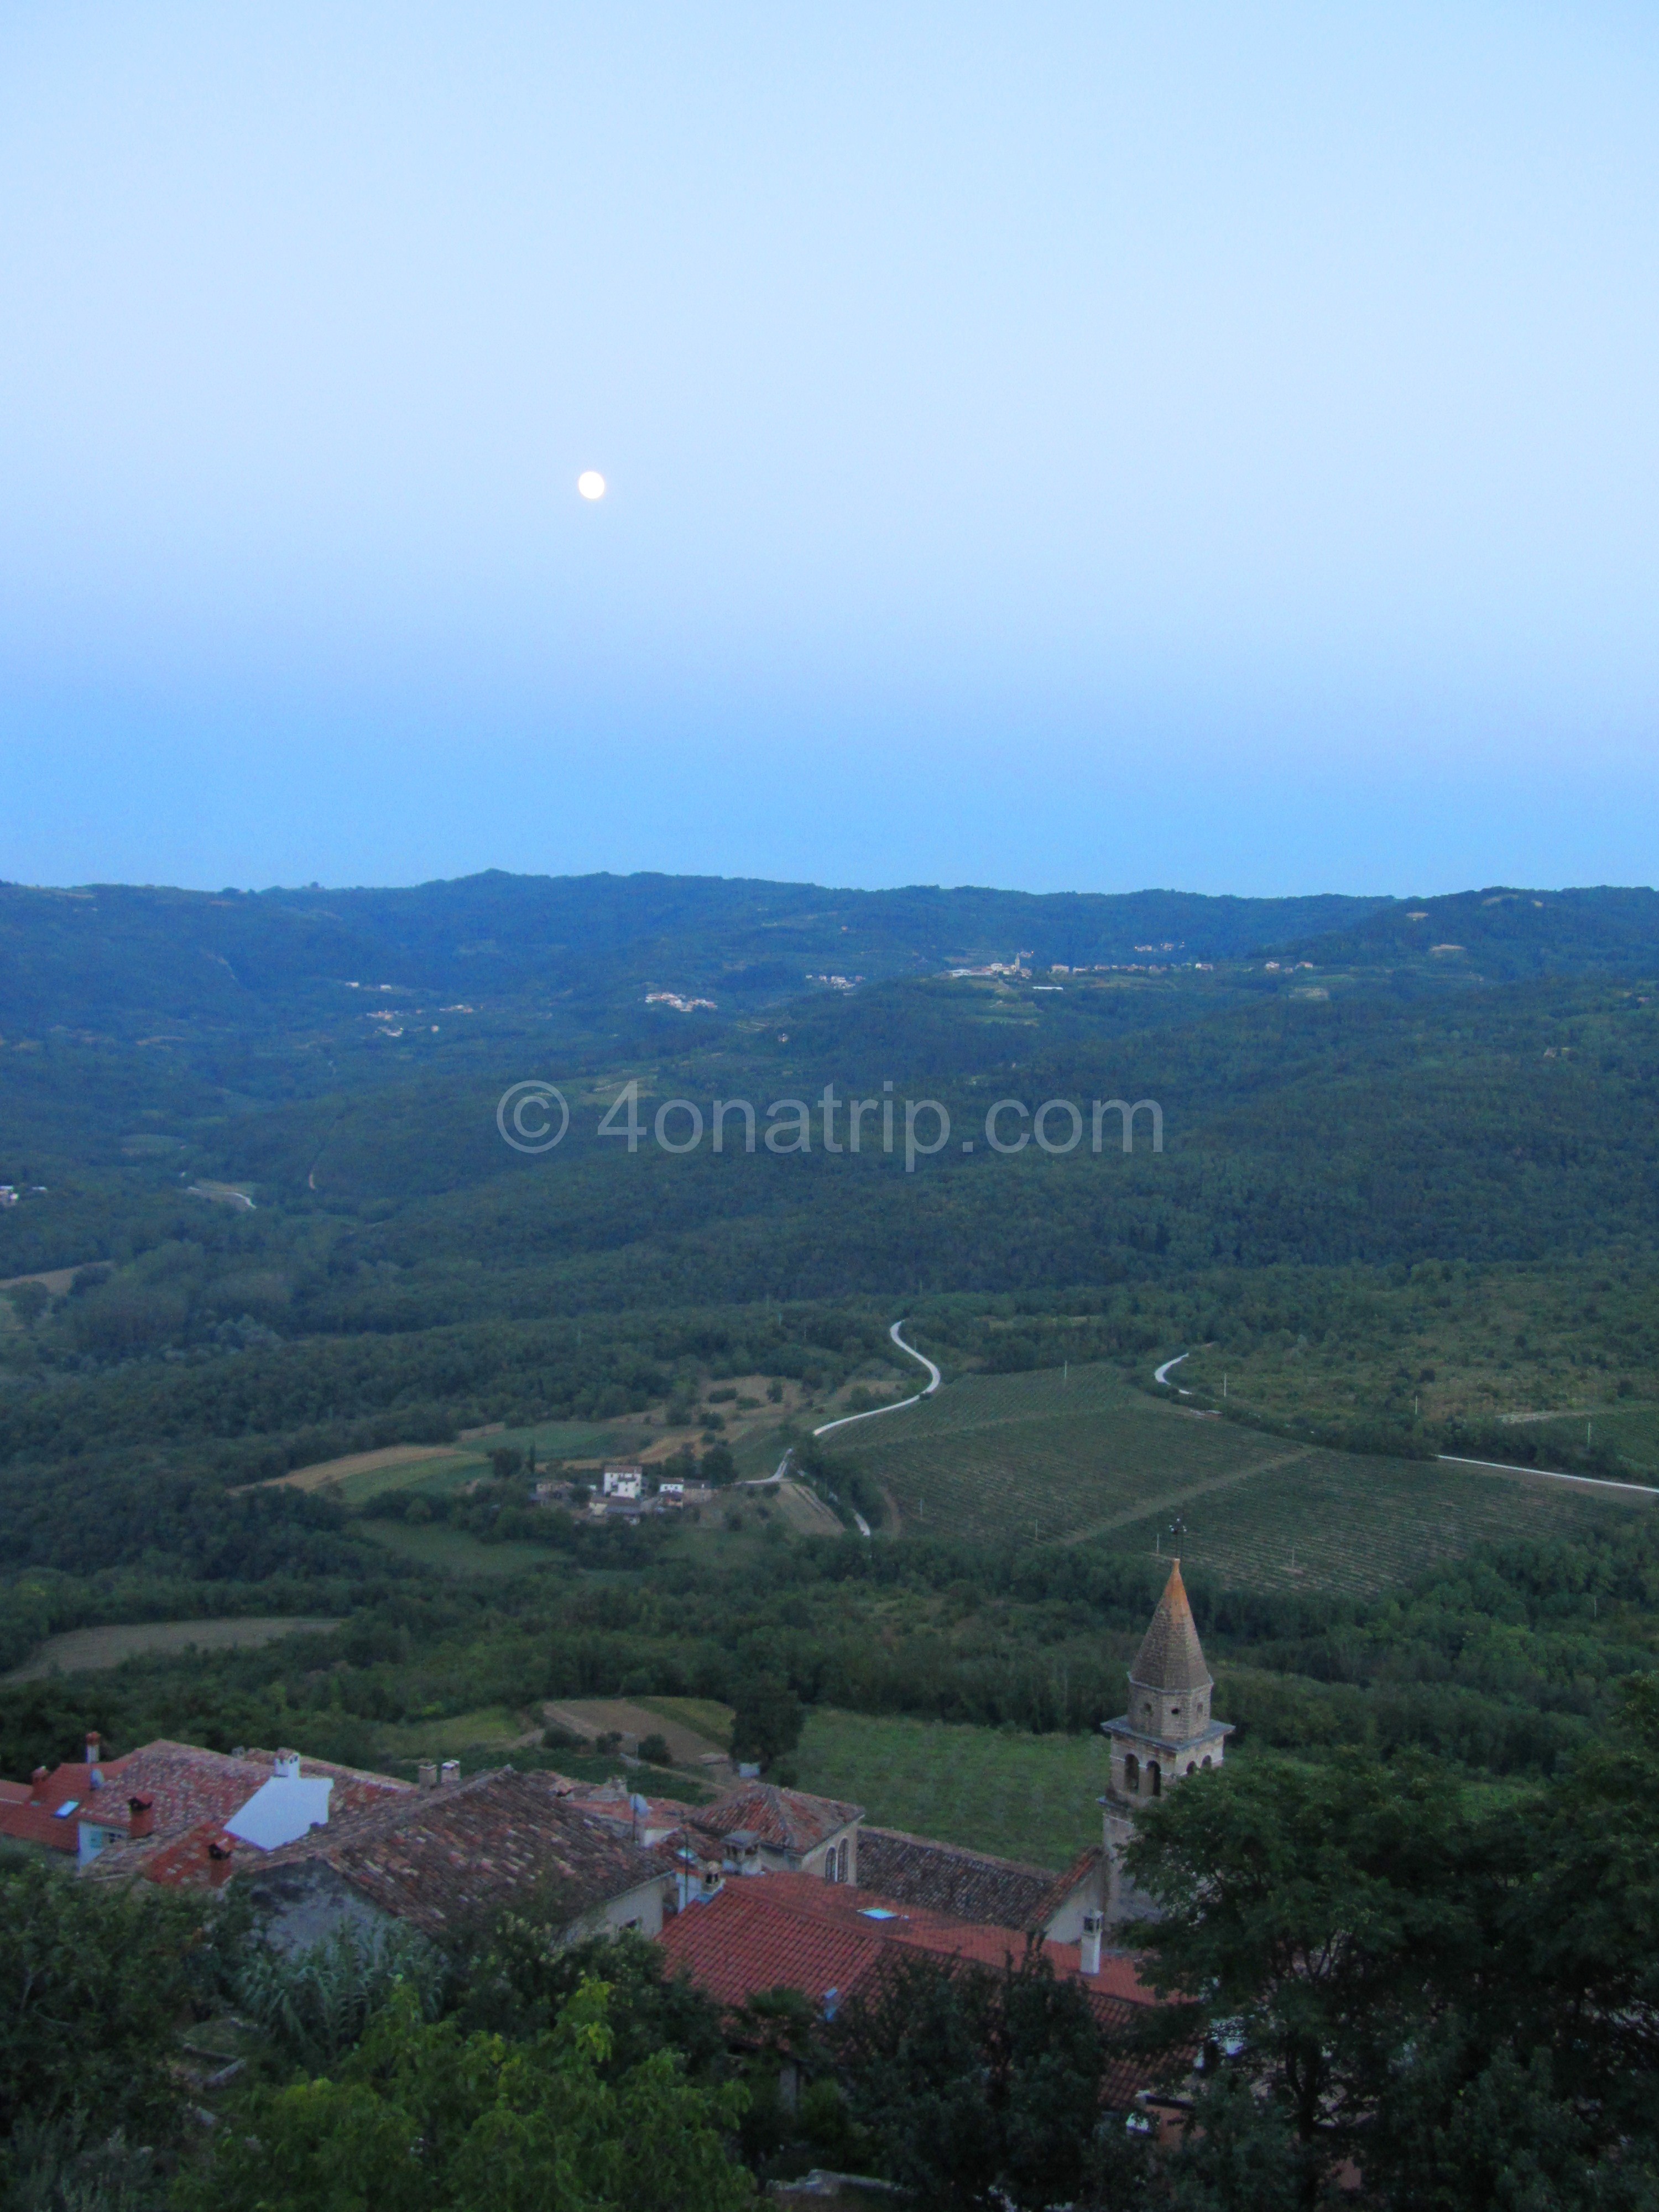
92 1985
521 1978
1448 2011
1317 1909
982 2088
423 2119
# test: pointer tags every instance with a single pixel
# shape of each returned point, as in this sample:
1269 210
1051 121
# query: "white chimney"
1094 1925
426 1774
285 1767
451 1770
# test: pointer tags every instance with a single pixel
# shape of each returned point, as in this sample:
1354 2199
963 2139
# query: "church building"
1166 1735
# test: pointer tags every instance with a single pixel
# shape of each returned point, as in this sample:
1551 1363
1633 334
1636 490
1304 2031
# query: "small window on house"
1207 1758
1191 1768
841 1871
829 1864
1132 1774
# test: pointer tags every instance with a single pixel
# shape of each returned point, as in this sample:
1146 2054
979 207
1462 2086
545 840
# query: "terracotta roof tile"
742 1941
439 1858
795 1931
193 1793
749 1920
784 1820
971 1884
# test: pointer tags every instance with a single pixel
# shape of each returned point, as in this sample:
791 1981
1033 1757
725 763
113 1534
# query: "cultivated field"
1032 1458
1043 1459
596 1716
361 1475
1631 1431
705 1717
1333 1521
86 1650
1022 1796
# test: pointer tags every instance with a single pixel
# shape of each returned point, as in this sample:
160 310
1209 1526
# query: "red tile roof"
797 1931
970 1884
746 1939
732 1942
441 1858
783 1819
191 1793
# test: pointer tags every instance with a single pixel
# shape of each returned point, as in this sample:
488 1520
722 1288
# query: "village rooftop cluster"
766 1887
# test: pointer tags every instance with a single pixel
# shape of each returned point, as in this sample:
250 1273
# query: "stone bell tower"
1166 1735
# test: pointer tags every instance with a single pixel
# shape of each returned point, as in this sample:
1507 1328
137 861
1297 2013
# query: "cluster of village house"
623 1496
766 1887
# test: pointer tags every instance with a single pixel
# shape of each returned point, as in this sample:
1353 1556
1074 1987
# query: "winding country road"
934 1378
898 1404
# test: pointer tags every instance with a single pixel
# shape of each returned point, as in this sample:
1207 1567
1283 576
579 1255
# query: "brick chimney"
94 1774
219 1852
38 1782
141 1817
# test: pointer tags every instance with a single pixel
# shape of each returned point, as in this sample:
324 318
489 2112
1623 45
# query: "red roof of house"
747 1938
191 1793
784 1820
798 1931
968 1885
446 1858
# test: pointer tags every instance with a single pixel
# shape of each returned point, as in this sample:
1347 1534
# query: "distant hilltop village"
767 1887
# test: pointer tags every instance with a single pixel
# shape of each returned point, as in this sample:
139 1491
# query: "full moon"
591 484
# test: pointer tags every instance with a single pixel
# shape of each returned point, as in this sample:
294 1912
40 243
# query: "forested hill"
118 958
1501 934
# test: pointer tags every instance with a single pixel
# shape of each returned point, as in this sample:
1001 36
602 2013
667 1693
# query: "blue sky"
1050 446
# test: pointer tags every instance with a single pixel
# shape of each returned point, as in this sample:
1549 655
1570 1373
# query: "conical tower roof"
1171 1657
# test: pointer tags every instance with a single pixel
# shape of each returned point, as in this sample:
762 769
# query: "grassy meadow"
89 1651
1022 1797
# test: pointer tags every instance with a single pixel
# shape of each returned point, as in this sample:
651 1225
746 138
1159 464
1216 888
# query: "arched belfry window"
1157 1774
1132 1773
